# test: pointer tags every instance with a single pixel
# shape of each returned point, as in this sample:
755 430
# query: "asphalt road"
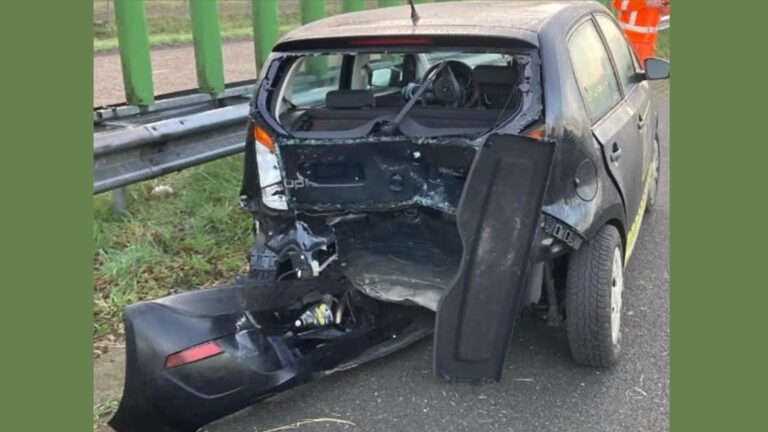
541 389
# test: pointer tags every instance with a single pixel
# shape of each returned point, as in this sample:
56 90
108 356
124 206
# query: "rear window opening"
449 92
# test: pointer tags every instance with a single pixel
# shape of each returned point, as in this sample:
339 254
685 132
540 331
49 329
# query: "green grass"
196 237
105 409
663 44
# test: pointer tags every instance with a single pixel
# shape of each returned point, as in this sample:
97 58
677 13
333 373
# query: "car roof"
506 19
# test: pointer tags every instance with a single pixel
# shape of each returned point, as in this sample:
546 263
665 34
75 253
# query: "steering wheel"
451 87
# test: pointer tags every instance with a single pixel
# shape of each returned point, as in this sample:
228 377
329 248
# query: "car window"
593 69
472 59
314 77
386 71
620 50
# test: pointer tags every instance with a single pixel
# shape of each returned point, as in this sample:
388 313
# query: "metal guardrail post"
388 3
313 10
206 34
266 28
353 5
120 200
133 39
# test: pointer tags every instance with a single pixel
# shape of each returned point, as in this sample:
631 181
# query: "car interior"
467 90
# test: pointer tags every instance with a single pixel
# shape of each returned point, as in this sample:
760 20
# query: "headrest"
500 75
350 99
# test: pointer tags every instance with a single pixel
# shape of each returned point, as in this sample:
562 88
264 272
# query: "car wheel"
594 287
650 204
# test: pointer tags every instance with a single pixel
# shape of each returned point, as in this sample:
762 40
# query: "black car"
412 171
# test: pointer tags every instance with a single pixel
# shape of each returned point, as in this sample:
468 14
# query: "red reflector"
390 41
191 355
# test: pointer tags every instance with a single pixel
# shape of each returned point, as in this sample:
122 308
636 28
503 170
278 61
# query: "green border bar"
133 39
206 34
266 28
353 5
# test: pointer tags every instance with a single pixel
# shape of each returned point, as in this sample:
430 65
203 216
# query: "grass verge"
197 236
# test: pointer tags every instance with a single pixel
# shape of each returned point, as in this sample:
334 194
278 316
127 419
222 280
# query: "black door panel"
622 143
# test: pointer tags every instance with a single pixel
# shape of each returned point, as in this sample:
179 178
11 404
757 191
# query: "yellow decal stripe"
635 229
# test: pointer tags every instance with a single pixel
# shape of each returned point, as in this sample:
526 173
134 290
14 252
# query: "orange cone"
640 20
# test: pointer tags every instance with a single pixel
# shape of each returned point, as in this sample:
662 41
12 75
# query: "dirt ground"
173 69
108 373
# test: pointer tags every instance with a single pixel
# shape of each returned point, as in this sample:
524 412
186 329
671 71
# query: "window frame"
632 55
574 28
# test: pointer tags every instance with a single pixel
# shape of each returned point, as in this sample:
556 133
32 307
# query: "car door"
614 119
637 91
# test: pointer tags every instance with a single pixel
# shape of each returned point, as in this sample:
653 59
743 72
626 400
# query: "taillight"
194 354
536 133
390 41
262 137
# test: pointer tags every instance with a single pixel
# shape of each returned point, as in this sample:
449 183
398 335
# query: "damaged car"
415 173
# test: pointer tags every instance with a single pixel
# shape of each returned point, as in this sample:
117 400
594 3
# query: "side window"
620 49
385 72
313 78
593 69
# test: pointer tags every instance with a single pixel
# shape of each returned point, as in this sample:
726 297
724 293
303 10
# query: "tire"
593 299
653 190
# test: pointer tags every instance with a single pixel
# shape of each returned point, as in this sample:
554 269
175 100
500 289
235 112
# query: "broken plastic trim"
477 314
302 254
263 353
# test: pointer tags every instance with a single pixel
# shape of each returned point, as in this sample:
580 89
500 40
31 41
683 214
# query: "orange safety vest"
640 20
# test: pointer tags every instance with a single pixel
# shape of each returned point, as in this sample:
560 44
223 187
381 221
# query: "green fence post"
266 28
388 3
313 10
206 34
133 39
353 5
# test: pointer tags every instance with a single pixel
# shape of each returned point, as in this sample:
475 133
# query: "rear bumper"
190 396
255 362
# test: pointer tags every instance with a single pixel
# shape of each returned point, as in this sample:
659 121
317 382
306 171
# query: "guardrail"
134 144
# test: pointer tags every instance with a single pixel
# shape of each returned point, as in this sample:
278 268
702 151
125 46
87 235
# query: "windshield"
360 92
